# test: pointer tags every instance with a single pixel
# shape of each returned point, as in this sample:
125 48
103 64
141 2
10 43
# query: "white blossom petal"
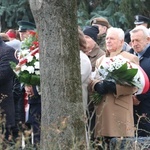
37 65
37 72
30 69
23 68
37 56
29 58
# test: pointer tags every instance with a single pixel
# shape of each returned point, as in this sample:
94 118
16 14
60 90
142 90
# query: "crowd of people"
122 112
120 108
20 104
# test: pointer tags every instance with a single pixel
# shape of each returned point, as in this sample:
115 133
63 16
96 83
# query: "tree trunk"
62 109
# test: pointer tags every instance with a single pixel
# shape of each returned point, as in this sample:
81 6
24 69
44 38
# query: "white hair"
141 28
119 31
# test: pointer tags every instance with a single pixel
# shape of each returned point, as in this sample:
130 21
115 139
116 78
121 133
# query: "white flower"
30 69
37 56
23 53
37 65
29 58
37 72
23 68
111 69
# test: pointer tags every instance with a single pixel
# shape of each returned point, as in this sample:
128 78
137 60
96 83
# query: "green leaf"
122 69
129 74
24 77
35 80
12 65
96 98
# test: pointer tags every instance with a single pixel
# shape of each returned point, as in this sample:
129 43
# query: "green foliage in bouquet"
125 75
96 98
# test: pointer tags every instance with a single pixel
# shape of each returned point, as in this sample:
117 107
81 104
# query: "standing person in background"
7 75
13 41
32 103
102 24
17 95
24 31
94 52
141 47
34 100
24 28
19 112
114 113
86 69
141 20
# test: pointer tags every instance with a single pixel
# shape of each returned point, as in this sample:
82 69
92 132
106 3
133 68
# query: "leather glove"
105 87
100 88
110 86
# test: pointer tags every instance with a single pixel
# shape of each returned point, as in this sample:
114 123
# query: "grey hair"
141 28
119 31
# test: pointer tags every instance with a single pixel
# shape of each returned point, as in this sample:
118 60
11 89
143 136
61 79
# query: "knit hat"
101 21
92 32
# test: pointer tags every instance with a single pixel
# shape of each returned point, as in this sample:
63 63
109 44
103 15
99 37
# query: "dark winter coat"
18 95
144 106
6 83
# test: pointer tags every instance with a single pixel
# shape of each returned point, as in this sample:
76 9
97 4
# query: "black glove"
105 87
110 86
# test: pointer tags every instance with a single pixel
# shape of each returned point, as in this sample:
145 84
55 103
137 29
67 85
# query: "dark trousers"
35 121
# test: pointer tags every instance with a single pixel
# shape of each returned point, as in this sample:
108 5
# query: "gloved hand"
110 86
105 87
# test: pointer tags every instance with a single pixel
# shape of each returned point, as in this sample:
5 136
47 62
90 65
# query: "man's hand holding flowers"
119 72
105 87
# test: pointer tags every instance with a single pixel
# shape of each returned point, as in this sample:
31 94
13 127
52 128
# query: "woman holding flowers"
114 113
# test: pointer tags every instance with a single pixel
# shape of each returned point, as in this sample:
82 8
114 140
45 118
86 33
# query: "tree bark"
62 123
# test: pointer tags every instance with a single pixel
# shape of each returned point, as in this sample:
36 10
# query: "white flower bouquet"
28 68
119 70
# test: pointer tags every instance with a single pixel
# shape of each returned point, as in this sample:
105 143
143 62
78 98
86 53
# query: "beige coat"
114 114
94 55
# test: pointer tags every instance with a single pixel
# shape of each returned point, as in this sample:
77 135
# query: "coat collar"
115 53
94 51
146 54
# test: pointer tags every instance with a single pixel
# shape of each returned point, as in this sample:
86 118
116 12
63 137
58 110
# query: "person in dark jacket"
19 110
6 85
34 101
141 48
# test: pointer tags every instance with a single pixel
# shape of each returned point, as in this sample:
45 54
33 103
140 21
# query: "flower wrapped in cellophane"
121 71
28 68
